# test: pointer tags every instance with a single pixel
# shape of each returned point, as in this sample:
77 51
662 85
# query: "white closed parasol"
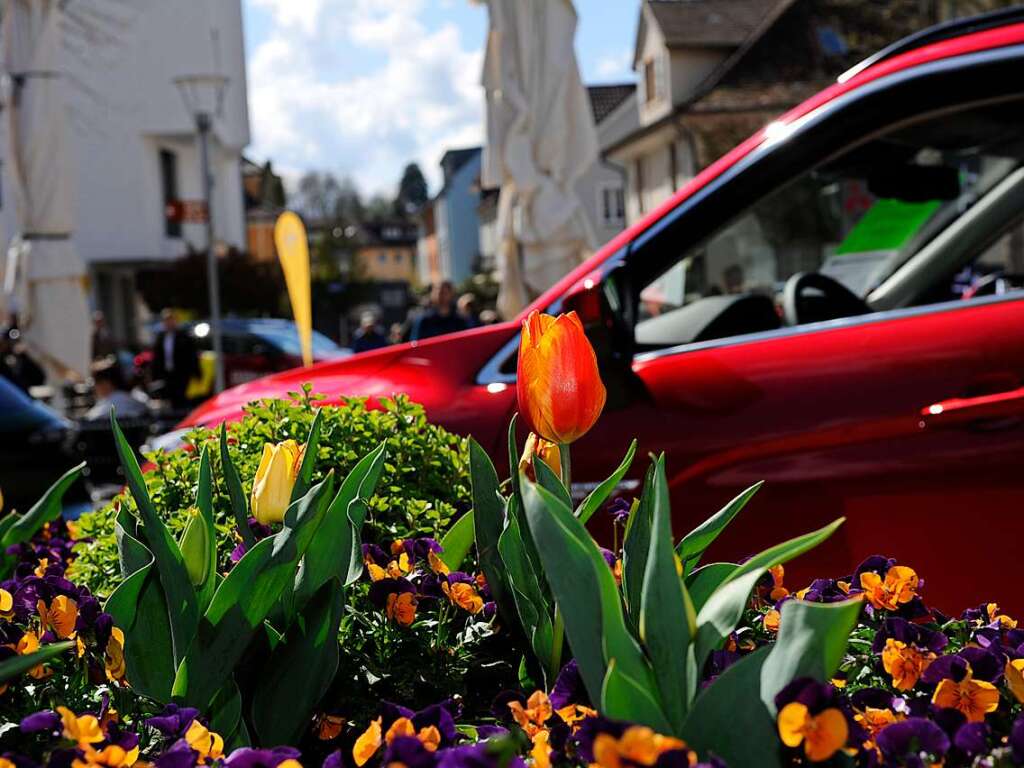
541 139
45 278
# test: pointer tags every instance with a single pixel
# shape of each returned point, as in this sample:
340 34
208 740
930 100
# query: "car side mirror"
595 299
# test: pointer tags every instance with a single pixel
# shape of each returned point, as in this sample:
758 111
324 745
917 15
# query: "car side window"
818 247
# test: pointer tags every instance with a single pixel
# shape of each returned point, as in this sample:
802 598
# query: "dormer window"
655 78
650 81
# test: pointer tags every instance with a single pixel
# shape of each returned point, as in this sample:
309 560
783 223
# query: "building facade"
387 252
264 198
449 236
134 144
712 72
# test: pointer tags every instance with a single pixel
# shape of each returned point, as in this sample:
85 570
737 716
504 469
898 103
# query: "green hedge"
425 485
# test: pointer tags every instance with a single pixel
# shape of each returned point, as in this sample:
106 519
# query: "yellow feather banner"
293 251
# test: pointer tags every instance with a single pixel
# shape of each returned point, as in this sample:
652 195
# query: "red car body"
909 423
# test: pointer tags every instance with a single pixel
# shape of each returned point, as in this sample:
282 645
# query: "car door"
907 422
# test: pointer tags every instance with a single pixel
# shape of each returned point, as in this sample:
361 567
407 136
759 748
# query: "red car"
834 307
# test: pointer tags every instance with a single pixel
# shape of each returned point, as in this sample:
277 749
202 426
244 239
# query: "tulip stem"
563 456
558 630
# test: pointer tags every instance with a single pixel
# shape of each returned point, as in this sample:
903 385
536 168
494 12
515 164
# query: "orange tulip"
558 385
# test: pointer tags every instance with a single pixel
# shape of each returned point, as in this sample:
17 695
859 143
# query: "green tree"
412 190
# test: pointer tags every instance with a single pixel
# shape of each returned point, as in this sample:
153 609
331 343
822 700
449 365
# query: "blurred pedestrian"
111 392
440 317
467 309
15 364
396 333
102 341
175 360
488 317
368 336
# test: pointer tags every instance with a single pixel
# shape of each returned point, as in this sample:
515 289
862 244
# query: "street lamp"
204 99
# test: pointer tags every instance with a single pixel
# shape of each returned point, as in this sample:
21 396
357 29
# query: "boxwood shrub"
426 488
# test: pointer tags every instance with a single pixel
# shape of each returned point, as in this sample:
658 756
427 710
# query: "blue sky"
361 87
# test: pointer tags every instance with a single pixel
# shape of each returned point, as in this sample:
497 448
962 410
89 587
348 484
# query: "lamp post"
204 99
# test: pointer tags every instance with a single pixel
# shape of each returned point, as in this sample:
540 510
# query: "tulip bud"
195 549
539 448
558 384
275 479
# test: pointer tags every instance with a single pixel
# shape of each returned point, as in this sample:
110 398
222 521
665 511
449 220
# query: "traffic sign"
188 211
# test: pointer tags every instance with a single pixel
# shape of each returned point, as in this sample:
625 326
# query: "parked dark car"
256 347
36 447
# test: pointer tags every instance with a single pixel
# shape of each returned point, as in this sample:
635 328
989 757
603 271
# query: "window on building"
638 175
382 258
397 256
650 81
611 202
169 182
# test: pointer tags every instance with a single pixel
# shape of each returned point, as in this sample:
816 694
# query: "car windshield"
856 219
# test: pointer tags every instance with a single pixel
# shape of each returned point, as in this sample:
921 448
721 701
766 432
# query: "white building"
133 143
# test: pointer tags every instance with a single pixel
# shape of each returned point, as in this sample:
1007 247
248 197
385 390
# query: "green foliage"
426 472
13 667
289 586
17 529
640 650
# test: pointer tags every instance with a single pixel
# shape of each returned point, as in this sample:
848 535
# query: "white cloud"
304 14
415 92
617 66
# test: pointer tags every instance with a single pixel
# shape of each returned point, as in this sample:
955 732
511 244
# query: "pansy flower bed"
509 637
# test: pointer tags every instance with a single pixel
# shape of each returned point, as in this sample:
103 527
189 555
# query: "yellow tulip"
539 448
275 479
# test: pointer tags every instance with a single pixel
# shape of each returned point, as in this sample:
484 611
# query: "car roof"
993 30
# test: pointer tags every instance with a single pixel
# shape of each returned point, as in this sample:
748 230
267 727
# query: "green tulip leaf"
694 544
203 554
551 482
300 670
236 494
488 523
132 554
182 603
44 511
635 547
139 609
457 542
721 613
19 665
513 455
336 550
811 642
586 594
787 550
225 713
729 720
702 582
309 457
667 620
623 699
600 495
245 598
534 610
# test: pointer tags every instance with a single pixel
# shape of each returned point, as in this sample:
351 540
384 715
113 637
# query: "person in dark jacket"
440 317
368 336
175 360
